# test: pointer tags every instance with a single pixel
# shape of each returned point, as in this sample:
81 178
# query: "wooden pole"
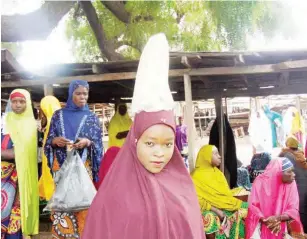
257 104
220 117
298 104
189 119
200 130
226 107
48 89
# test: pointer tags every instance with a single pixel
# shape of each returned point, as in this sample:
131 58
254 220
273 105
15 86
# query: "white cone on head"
151 90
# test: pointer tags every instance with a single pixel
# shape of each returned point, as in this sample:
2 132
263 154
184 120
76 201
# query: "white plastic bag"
75 190
257 232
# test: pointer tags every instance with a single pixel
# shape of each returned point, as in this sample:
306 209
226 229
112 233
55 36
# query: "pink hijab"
271 197
106 163
133 203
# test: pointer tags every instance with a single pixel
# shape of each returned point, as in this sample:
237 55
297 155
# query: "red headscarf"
106 163
17 94
271 197
134 203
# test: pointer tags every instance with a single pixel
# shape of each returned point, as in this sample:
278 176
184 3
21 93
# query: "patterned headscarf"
286 164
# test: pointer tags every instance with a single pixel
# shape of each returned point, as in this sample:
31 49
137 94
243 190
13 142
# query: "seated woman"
274 203
260 160
243 179
299 162
221 211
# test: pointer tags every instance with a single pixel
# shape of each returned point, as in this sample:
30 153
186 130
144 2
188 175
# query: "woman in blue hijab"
75 126
276 122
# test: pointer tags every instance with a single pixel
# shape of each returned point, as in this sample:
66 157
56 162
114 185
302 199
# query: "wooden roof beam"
251 92
239 60
289 65
185 61
214 71
6 56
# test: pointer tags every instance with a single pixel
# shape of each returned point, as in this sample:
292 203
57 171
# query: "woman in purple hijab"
181 140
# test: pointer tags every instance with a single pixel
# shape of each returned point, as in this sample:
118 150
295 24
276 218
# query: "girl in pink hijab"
148 192
274 203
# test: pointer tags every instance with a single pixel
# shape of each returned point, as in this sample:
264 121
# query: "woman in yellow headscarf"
19 173
222 212
49 104
294 126
119 126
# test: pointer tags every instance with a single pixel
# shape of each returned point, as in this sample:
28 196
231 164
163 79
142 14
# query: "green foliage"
188 25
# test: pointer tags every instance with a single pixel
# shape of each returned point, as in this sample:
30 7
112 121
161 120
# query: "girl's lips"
157 163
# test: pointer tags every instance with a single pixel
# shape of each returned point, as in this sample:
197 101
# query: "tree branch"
179 17
118 10
144 18
137 46
36 25
107 48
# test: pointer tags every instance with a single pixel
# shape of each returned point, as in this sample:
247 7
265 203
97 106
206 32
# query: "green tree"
123 27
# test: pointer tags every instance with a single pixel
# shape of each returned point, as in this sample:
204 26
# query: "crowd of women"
144 188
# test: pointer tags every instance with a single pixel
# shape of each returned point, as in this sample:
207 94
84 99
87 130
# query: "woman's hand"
275 227
273 223
219 213
60 142
82 143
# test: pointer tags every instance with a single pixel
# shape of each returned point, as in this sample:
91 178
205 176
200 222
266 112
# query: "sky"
33 56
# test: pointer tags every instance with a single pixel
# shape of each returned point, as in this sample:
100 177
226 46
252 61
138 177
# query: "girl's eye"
149 144
169 145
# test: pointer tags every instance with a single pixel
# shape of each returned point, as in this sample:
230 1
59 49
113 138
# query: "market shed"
192 76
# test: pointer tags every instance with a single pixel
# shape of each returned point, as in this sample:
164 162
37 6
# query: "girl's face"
216 158
155 147
80 96
19 105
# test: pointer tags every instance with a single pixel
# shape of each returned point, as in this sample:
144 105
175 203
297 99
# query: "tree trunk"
107 47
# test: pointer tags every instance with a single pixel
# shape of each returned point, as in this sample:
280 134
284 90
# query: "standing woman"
297 158
19 174
74 125
148 192
294 125
49 104
119 126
